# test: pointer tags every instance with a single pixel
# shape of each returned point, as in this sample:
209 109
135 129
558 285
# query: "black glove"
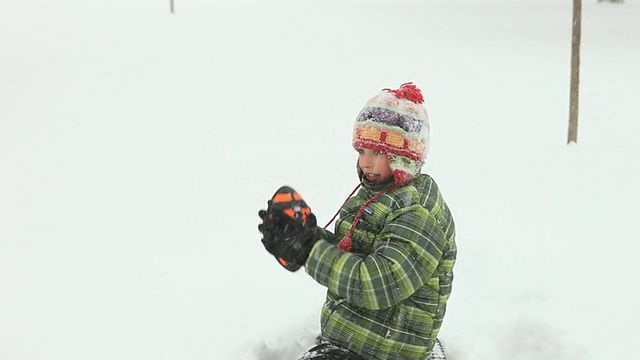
288 240
273 227
287 225
295 243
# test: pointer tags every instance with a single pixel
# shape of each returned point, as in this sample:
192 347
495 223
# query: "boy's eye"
376 152
360 151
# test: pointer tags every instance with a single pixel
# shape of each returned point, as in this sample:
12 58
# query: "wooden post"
575 72
172 8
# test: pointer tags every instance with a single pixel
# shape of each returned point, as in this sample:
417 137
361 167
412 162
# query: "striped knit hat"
396 123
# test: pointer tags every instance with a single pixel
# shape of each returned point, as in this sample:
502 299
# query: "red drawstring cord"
345 201
345 243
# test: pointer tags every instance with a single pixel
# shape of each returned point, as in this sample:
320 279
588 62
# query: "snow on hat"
396 123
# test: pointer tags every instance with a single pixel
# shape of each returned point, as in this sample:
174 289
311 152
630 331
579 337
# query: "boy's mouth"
371 176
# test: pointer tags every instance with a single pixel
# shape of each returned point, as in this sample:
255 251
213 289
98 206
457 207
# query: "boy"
388 266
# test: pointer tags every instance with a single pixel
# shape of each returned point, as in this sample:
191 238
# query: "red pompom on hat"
407 91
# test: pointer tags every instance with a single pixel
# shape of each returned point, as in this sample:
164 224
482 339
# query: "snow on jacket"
386 298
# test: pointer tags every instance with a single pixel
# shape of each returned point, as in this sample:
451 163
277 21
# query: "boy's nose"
366 161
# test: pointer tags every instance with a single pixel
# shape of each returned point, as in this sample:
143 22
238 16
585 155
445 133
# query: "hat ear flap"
403 168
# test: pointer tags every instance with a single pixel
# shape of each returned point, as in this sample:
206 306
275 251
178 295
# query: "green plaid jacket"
386 299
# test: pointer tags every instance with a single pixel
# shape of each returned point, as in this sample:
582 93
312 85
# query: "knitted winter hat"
396 123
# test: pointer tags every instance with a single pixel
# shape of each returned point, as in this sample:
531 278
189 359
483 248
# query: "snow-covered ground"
137 146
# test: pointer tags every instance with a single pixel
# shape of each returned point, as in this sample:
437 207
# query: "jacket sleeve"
406 254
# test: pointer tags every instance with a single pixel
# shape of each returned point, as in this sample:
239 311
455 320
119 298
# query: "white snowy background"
136 147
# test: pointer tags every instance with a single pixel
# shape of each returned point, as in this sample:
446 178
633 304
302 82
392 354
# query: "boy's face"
374 165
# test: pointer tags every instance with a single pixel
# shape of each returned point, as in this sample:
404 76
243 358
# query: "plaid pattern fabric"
386 298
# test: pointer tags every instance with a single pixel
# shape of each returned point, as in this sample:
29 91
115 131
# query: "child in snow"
388 266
